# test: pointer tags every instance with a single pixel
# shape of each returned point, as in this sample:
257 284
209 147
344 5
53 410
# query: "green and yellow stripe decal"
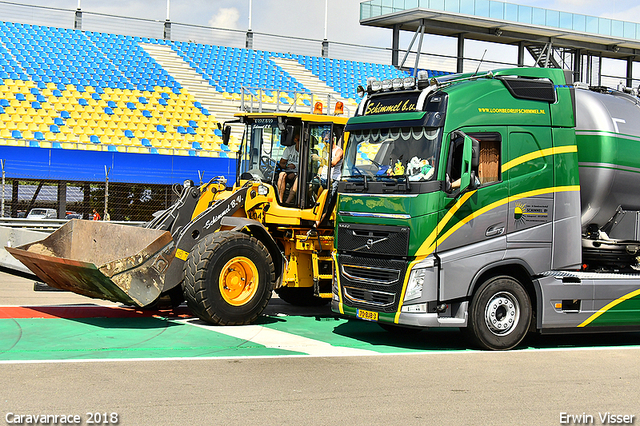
430 243
610 306
537 154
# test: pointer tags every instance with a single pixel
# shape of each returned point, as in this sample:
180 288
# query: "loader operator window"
409 153
265 150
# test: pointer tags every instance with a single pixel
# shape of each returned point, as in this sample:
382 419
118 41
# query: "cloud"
630 15
225 18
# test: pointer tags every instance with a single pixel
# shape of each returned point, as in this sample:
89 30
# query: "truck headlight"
414 286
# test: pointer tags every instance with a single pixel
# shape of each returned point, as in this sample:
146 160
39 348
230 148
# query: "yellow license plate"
367 315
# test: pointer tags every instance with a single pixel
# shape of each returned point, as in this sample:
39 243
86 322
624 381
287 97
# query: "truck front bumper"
413 319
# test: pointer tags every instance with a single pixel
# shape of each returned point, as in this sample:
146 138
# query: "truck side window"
489 167
454 170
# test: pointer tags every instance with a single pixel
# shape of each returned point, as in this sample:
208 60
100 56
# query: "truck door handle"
494 230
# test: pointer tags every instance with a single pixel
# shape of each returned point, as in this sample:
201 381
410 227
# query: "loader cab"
271 138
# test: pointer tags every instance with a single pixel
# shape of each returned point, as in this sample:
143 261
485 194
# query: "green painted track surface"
158 337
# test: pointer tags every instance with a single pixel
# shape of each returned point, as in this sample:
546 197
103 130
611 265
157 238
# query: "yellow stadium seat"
5 133
45 144
84 139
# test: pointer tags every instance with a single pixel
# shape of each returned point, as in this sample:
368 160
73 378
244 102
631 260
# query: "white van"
42 214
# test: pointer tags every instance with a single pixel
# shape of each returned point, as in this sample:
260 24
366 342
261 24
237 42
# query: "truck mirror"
226 135
467 177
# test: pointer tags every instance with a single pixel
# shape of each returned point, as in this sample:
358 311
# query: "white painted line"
280 340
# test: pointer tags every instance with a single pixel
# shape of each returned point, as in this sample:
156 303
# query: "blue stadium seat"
128 133
58 121
56 145
94 139
161 128
4 103
39 136
145 142
65 115
16 134
181 130
33 144
196 145
131 105
54 128
108 111
20 96
112 148
146 113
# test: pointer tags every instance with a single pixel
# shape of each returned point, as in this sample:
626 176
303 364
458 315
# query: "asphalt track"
64 354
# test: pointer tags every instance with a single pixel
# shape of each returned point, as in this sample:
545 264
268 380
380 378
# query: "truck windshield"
392 154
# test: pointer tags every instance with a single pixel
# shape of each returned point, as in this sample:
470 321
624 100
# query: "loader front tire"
229 278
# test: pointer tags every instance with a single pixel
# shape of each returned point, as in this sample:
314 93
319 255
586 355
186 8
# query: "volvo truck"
502 204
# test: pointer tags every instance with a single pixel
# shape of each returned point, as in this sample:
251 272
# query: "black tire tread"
195 285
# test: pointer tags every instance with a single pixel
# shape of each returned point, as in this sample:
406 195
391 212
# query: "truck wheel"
500 314
300 296
229 278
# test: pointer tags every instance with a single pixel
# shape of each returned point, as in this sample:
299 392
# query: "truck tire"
300 296
229 278
500 314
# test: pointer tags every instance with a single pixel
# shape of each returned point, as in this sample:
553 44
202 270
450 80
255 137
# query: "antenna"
480 63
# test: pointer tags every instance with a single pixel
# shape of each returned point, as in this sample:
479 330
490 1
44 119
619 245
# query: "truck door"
530 175
474 221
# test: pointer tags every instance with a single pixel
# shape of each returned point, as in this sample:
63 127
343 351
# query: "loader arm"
205 223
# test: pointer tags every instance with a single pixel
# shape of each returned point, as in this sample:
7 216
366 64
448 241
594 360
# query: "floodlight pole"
167 23
249 40
325 42
77 24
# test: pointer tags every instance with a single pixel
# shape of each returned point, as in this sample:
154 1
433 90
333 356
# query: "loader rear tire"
229 278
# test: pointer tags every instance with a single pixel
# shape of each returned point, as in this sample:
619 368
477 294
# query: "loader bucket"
102 260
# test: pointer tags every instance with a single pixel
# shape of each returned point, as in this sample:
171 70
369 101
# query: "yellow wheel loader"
222 248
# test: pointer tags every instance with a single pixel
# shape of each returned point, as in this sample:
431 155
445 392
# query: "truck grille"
368 273
369 297
371 282
373 240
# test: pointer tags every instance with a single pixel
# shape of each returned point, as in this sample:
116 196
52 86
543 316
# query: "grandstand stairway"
192 81
310 81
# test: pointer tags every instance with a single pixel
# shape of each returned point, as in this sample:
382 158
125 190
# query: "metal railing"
255 103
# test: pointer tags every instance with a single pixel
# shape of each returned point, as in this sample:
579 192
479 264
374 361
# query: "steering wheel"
267 166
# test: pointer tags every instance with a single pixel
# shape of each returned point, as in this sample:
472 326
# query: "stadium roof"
506 23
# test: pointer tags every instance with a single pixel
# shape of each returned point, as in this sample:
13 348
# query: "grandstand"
74 104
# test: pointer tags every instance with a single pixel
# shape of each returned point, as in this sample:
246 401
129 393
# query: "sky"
306 19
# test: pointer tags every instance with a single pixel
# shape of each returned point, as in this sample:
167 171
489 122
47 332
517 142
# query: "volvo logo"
370 242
